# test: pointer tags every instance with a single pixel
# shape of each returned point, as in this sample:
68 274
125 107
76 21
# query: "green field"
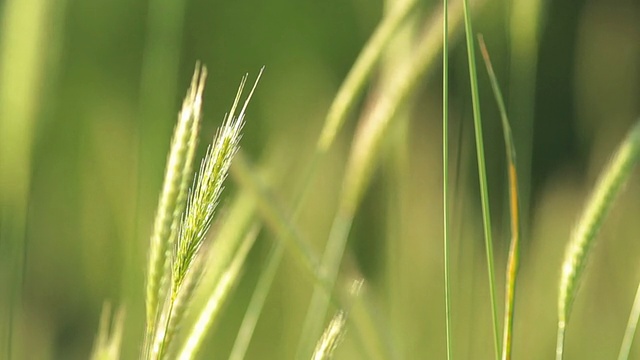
334 206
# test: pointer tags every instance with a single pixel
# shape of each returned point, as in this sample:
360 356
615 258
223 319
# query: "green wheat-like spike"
208 186
582 238
179 164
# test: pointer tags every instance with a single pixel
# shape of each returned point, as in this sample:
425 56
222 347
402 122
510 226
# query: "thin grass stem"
514 258
482 172
445 173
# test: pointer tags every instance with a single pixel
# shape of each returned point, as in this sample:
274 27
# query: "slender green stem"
482 173
445 171
630 332
513 260
560 341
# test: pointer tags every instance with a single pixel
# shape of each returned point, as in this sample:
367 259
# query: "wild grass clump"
182 223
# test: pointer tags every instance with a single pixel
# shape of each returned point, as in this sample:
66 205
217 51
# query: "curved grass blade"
514 257
582 238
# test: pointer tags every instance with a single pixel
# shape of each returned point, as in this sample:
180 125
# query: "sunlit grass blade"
584 233
362 68
445 174
109 338
173 194
514 257
630 331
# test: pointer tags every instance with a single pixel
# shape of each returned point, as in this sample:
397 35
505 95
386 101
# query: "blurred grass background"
89 95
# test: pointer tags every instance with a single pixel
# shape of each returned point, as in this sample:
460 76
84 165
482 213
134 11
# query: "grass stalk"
630 331
482 172
514 255
584 233
445 174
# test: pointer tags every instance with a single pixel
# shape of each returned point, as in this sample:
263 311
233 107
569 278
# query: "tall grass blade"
445 174
584 233
482 172
630 332
514 254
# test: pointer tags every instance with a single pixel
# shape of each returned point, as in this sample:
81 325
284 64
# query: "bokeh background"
89 95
